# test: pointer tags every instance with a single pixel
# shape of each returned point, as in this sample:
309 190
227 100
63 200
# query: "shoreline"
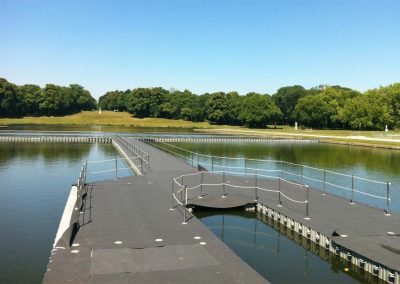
322 139
348 138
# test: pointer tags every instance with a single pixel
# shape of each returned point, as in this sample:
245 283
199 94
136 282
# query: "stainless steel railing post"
255 187
279 196
201 184
116 167
387 198
301 178
307 202
185 205
223 184
86 164
172 194
352 190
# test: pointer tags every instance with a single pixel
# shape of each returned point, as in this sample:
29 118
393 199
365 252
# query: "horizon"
202 46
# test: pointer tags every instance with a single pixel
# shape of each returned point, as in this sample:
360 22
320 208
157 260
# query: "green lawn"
105 118
109 118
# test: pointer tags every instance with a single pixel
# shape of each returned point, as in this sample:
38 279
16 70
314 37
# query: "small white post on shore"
386 128
295 125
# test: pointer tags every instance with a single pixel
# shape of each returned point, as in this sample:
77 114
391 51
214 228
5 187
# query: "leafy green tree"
114 100
216 108
80 99
30 96
393 94
259 110
144 102
314 111
9 102
369 111
286 99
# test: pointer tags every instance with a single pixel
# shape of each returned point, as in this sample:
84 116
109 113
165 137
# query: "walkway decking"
135 211
131 236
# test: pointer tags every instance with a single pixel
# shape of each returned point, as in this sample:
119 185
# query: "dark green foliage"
144 102
258 111
115 100
286 99
9 101
17 101
319 107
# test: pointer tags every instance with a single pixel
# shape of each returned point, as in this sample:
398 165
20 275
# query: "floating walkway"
55 139
128 233
225 140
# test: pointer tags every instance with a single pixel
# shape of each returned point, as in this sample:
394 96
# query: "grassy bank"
123 119
105 118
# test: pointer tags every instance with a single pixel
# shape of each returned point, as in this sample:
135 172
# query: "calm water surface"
35 180
278 255
376 164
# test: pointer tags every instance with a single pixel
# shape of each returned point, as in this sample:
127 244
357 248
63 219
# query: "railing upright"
172 194
223 184
255 187
279 195
352 190
116 167
185 207
387 198
201 185
307 202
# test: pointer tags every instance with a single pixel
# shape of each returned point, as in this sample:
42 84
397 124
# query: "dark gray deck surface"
121 242
369 231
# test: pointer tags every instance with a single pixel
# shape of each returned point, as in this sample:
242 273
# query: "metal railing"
321 179
136 152
81 193
114 168
83 184
181 193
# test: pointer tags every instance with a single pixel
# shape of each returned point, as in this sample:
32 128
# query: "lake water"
35 180
276 256
369 163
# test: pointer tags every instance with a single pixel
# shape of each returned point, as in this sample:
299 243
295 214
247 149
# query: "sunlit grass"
110 118
105 118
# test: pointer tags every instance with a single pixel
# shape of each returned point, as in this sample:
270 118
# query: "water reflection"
277 253
375 164
35 180
318 155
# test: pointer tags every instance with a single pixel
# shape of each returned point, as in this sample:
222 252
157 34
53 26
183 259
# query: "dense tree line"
333 107
252 110
18 101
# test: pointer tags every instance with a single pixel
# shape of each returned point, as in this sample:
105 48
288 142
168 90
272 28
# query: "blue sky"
201 45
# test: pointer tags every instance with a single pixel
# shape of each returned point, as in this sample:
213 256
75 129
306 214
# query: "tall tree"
286 99
259 110
9 102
